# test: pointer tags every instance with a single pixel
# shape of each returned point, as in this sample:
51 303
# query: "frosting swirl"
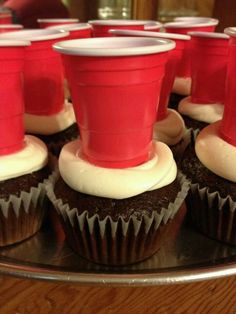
208 113
216 154
182 86
169 130
159 171
47 125
32 157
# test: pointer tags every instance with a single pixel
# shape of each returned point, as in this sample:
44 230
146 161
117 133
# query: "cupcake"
212 198
209 56
169 127
23 160
47 114
182 83
118 191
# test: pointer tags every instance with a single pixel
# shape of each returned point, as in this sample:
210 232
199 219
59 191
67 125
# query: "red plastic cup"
174 57
12 55
152 26
5 16
195 19
76 31
115 85
184 27
190 24
4 28
45 23
209 57
43 71
228 125
101 27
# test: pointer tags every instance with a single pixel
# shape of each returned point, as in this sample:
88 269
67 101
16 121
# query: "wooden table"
22 296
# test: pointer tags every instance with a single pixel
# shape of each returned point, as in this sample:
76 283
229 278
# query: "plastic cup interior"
114 46
35 34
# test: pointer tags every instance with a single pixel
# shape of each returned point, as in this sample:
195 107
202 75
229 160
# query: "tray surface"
185 256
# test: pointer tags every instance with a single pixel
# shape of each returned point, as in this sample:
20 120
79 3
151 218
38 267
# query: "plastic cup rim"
31 35
11 26
230 31
193 18
85 47
52 20
186 24
71 27
213 35
14 43
150 34
117 22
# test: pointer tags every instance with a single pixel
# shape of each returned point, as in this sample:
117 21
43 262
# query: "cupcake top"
159 171
32 157
112 160
215 153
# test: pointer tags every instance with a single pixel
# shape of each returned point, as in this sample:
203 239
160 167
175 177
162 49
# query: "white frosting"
182 86
33 157
216 154
169 130
208 113
159 171
46 125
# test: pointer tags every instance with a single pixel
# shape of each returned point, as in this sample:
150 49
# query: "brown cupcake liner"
211 214
21 217
115 242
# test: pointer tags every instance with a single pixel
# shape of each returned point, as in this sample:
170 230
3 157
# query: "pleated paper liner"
21 217
117 242
211 214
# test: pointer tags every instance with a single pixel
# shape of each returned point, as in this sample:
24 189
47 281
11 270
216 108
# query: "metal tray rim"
147 279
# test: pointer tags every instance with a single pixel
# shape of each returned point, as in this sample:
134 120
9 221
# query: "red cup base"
118 164
12 149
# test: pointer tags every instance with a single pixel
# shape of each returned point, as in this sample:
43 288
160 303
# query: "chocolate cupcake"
23 201
48 114
211 201
116 228
23 160
118 191
212 198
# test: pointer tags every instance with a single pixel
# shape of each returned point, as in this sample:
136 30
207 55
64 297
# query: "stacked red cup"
5 16
4 28
76 30
228 127
182 83
209 57
12 55
115 93
45 23
43 82
101 27
169 127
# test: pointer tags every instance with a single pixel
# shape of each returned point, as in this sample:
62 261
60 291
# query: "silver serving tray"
184 257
